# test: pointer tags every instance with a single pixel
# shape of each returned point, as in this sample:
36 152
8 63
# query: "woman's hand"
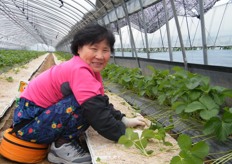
133 122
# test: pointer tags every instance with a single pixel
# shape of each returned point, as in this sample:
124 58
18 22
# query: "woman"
62 102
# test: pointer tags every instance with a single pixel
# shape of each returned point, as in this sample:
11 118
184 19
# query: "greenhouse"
164 67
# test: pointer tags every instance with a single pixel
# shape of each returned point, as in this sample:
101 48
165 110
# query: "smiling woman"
68 98
94 45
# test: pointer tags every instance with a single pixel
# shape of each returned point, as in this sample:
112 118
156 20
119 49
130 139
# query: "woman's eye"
94 49
106 50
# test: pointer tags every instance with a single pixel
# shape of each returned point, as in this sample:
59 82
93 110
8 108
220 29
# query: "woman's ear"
78 49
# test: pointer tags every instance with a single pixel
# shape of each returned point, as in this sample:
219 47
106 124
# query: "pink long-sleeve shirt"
73 76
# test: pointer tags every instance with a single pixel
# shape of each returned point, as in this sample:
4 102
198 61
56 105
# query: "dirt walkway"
10 81
9 91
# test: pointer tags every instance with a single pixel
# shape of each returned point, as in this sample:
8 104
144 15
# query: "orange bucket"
21 151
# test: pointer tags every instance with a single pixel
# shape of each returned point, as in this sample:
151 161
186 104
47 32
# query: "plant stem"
203 135
223 159
223 152
141 148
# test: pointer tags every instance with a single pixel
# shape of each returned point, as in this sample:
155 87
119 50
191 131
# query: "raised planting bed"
105 151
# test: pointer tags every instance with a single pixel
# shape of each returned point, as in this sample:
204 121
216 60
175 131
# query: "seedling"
132 138
9 79
16 70
98 160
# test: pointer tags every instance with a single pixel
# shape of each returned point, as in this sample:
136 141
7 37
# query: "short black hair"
91 34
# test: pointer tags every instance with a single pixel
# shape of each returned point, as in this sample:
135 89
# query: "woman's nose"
100 55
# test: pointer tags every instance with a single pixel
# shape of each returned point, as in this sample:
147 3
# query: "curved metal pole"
204 45
168 31
145 29
94 7
13 17
195 33
161 36
179 34
131 34
220 24
119 32
186 19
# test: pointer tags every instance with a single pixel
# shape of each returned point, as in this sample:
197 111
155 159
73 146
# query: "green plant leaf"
200 150
176 160
228 92
154 90
227 109
208 102
130 134
170 120
219 89
193 160
169 127
128 138
162 98
98 159
193 83
224 131
149 152
179 106
158 136
207 114
205 82
189 158
194 95
227 117
155 125
211 125
185 154
125 141
230 109
127 79
151 68
194 106
177 69
141 144
218 127
148 133
162 133
219 99
166 143
184 142
141 93
181 73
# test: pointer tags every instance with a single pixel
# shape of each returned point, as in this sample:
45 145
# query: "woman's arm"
102 116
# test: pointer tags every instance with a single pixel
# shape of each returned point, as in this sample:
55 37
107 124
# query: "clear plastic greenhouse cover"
24 23
155 13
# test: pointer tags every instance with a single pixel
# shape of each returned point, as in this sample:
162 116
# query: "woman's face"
96 55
